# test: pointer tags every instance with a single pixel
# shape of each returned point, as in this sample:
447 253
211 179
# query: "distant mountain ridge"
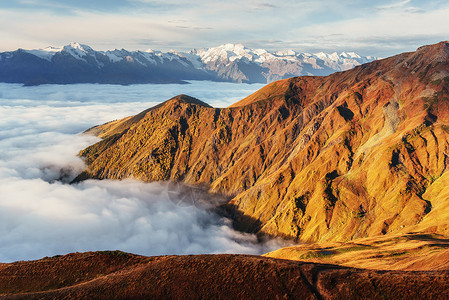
78 63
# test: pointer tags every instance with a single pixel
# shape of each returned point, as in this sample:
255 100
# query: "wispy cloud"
393 5
265 5
415 10
383 33
299 24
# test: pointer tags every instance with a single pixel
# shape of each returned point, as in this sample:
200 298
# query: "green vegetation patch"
353 248
317 254
115 253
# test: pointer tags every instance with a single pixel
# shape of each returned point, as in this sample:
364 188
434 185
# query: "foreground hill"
76 63
119 275
358 153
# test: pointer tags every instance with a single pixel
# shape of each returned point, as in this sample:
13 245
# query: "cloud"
39 219
178 21
265 6
385 32
393 5
41 215
66 6
415 10
141 24
402 6
151 20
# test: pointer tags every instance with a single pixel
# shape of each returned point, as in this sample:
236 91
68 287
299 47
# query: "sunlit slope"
354 154
412 252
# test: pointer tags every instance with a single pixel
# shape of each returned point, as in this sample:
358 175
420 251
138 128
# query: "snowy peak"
225 52
230 53
350 55
237 49
285 53
52 49
46 53
78 46
78 51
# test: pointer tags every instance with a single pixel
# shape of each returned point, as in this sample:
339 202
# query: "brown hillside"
354 154
118 275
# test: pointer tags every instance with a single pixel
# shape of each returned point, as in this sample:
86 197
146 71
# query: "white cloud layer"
42 216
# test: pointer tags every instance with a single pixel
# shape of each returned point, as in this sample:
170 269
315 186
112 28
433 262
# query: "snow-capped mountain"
241 64
77 63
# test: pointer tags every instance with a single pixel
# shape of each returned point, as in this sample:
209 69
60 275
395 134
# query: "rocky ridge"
355 154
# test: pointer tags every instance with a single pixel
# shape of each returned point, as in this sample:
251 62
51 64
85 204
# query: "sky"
379 28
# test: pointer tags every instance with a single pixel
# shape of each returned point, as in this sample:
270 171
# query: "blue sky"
379 28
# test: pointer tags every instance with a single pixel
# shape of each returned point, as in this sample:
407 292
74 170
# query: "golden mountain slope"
411 252
354 154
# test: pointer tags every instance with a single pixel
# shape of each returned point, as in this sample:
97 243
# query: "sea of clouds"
42 215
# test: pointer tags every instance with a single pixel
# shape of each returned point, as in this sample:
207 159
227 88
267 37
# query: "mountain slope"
411 252
354 154
119 275
76 63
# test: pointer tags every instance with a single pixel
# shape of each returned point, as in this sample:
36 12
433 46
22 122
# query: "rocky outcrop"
354 154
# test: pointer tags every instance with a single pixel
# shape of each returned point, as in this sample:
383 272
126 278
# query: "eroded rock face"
354 154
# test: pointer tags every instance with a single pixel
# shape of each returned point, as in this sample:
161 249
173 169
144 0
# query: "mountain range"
77 63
